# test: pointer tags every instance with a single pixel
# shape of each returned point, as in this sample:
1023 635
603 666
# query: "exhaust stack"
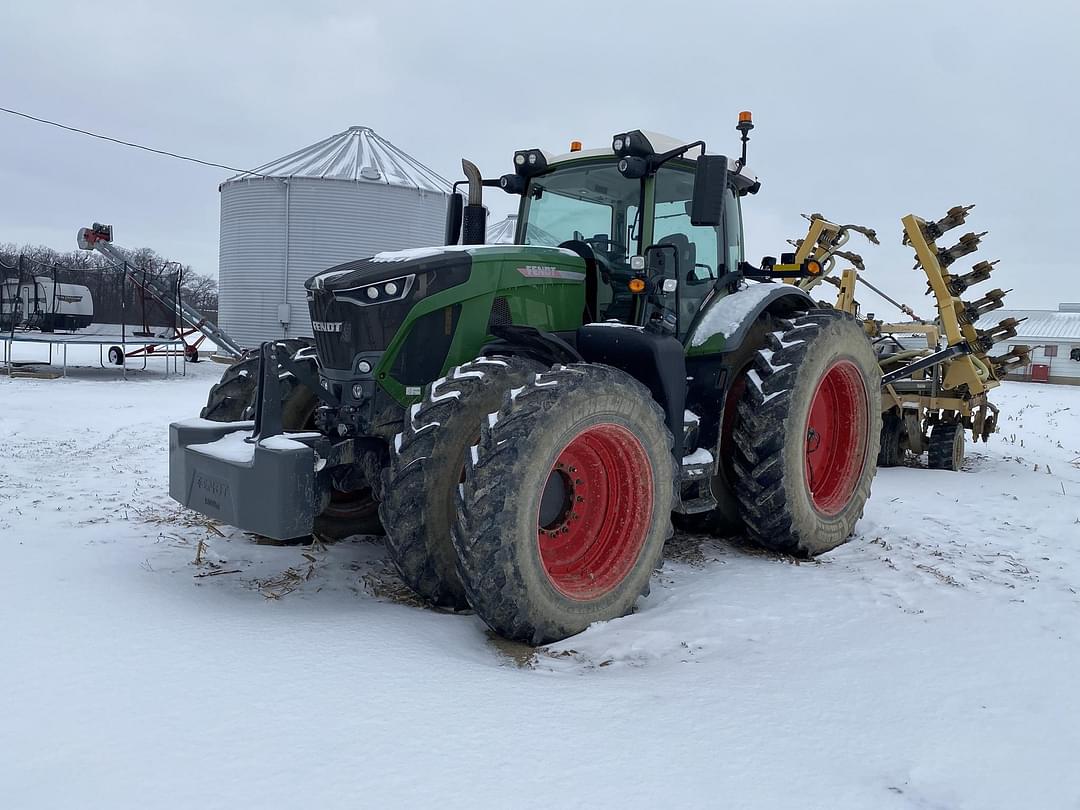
474 226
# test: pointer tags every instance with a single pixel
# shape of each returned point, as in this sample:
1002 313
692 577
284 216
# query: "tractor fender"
725 321
653 359
528 341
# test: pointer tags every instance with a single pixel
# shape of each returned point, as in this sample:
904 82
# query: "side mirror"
710 188
454 208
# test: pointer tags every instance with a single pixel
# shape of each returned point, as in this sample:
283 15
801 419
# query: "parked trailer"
11 309
44 304
51 305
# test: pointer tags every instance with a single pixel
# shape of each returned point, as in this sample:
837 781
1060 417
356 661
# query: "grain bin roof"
502 233
358 153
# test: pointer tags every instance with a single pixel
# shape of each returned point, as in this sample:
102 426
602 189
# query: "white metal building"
351 195
1054 336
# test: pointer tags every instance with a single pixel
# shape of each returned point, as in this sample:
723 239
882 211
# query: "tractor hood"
390 265
359 306
358 309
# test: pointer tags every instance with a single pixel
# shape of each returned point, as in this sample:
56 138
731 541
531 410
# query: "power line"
129 143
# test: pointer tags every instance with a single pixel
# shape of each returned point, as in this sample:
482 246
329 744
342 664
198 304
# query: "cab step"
696 475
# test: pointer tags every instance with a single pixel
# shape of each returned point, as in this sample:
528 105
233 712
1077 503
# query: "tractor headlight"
379 293
512 183
519 159
358 391
364 367
633 167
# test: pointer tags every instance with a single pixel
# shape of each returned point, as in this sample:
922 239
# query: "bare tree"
116 299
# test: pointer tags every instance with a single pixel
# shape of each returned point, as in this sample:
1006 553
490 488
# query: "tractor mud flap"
267 488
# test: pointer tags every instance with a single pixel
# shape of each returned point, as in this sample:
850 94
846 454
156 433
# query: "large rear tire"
808 433
426 462
566 504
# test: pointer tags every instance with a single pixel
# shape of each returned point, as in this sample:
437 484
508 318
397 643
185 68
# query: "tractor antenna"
746 123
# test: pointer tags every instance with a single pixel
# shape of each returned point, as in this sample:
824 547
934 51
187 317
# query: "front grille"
342 330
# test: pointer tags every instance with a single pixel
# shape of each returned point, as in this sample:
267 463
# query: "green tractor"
529 419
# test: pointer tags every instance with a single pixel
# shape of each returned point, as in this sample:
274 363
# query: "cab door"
693 256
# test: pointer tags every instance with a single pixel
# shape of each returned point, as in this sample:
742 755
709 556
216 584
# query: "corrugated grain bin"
351 195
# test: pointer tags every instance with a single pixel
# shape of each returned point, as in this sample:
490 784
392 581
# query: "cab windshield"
594 203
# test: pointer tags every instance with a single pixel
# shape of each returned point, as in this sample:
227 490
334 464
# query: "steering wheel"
604 245
610 256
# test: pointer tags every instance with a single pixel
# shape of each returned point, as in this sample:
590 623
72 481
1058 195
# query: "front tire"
808 434
566 504
425 468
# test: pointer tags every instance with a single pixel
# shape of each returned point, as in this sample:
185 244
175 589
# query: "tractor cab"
657 220
630 210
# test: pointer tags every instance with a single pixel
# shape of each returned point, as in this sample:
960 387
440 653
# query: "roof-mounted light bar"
632 144
528 162
642 153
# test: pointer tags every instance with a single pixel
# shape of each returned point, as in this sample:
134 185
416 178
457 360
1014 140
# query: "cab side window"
698 248
733 232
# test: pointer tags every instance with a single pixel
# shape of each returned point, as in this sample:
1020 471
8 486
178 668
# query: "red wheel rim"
836 437
727 425
595 511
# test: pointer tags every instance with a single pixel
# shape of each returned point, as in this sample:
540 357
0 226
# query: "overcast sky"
865 111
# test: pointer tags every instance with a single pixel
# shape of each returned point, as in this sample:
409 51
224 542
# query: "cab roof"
659 141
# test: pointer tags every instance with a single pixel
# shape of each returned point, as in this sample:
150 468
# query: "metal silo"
351 195
504 231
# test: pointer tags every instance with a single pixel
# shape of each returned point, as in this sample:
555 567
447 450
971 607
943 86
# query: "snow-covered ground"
151 660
